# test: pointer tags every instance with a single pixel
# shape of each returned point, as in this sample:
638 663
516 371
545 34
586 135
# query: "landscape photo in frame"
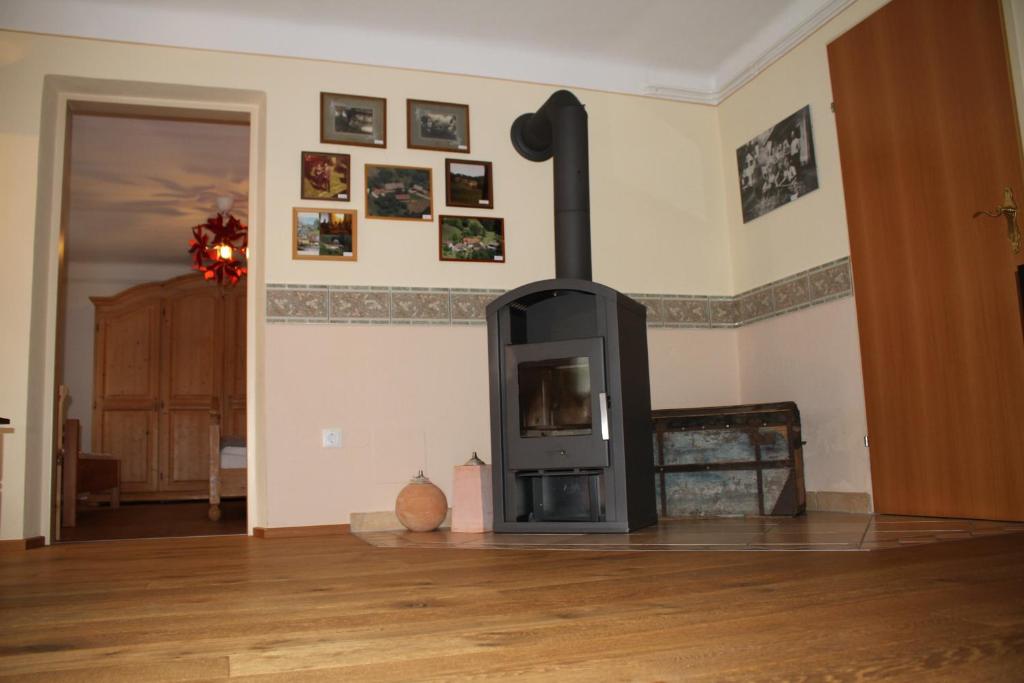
469 183
478 239
399 192
777 166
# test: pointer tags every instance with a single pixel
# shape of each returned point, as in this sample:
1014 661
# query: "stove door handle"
602 399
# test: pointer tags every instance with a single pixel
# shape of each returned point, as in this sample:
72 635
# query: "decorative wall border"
325 304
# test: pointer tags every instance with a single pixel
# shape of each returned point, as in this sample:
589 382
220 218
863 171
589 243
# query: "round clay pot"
421 506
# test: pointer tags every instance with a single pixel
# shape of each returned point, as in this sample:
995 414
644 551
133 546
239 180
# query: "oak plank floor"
335 608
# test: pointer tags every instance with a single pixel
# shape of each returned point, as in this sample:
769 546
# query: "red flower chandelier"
220 247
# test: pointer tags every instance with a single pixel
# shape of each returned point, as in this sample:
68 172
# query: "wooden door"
126 392
928 136
193 371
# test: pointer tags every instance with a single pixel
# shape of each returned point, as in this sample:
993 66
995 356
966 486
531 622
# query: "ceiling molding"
182 25
794 38
768 57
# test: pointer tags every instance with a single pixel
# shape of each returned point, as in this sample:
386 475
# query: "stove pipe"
559 129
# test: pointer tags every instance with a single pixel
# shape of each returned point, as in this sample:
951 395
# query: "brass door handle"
1009 210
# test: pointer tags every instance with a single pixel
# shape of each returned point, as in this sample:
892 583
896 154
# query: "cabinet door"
192 370
126 391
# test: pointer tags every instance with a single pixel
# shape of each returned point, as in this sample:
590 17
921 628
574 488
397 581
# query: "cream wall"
658 226
812 230
812 356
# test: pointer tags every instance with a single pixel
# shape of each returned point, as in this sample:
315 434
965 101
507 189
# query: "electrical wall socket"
331 438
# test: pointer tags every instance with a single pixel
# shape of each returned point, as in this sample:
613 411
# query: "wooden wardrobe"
165 352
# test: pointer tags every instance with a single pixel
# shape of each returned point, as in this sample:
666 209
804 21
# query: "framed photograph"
353 120
479 239
469 183
777 166
324 234
438 125
399 192
326 176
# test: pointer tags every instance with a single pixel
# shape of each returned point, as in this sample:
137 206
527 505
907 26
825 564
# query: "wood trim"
19 544
159 113
301 531
839 501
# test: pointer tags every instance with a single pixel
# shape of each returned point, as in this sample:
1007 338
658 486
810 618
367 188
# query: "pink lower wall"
812 357
415 397
411 397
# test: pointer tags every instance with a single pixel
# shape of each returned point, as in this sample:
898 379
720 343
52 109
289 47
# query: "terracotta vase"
421 506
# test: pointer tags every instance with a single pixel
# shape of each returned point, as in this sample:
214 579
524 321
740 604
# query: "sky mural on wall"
138 185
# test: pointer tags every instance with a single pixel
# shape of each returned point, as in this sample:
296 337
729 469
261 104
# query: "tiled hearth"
815 531
443 306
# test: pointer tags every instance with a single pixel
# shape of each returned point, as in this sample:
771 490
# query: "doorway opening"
151 356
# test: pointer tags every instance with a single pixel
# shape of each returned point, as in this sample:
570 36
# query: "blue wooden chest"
729 461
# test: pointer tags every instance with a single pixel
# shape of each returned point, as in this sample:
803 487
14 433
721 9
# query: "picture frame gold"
325 234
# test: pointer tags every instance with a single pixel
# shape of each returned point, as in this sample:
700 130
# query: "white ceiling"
693 50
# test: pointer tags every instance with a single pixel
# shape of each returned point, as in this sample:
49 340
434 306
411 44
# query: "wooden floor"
813 531
156 520
337 609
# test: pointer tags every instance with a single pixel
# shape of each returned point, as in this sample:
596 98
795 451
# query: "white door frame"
112 95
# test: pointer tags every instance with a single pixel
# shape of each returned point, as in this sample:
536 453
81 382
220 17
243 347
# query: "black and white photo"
353 120
777 166
438 125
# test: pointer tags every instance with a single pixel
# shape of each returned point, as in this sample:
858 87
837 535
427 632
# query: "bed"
228 463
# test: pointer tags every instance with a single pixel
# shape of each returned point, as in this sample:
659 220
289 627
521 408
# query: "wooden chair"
86 473
225 482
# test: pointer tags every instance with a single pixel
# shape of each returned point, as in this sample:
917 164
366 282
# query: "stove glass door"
557 414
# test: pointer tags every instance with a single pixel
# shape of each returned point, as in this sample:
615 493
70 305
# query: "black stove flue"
570 390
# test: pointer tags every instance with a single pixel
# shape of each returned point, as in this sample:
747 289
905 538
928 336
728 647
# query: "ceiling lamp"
220 246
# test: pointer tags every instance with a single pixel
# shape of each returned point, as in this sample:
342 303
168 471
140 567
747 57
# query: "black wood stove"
570 390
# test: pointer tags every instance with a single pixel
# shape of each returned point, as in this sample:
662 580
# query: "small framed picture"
399 192
324 234
438 125
479 239
326 176
353 120
469 183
